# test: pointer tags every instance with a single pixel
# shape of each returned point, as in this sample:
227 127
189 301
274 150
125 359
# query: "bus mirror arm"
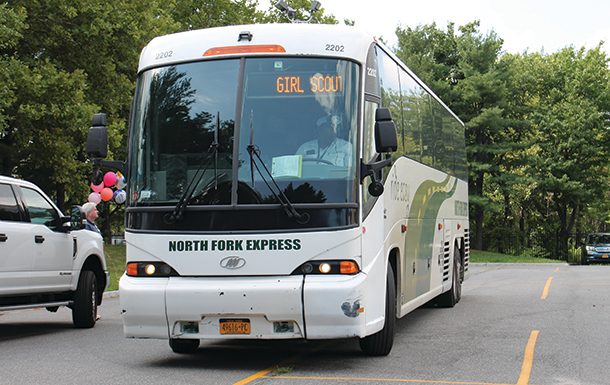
372 169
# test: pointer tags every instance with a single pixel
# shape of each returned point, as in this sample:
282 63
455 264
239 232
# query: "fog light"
325 268
307 268
283 327
187 327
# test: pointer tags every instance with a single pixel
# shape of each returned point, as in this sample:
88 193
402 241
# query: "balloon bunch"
110 188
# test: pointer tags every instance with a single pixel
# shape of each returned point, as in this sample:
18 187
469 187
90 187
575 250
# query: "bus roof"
260 39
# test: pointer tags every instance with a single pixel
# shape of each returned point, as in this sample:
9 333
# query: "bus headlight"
347 266
150 269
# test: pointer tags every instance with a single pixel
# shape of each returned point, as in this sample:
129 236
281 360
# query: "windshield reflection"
299 113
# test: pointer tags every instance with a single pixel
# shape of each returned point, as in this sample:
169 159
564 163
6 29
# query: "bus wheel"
380 343
453 296
183 346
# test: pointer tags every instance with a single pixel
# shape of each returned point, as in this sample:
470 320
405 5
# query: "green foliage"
115 262
62 60
537 133
478 256
302 8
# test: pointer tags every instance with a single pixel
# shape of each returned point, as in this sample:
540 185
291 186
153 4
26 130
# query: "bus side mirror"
385 131
385 141
97 140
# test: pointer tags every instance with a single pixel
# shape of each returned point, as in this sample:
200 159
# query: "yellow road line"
557 270
528 358
545 292
253 377
395 380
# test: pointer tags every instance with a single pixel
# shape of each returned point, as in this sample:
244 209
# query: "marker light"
348 267
241 49
325 268
150 269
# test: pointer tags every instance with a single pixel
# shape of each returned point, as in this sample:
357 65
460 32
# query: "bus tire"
84 308
380 343
183 346
453 296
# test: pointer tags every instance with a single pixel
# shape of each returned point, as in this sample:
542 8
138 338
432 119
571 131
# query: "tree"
42 116
572 134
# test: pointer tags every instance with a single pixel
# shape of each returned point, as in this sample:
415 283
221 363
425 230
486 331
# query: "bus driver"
327 148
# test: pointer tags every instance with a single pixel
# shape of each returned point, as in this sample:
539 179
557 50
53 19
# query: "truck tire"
84 309
380 343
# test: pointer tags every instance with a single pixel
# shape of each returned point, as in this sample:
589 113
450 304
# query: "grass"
115 261
478 256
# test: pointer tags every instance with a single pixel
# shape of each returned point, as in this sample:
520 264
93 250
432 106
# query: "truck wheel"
453 296
84 309
380 343
183 346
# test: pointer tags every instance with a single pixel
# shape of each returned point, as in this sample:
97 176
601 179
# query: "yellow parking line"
528 359
253 377
395 380
547 286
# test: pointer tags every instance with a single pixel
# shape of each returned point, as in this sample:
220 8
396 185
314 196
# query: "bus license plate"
234 326
605 256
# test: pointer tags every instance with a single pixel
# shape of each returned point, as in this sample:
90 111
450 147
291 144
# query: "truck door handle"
3 237
38 238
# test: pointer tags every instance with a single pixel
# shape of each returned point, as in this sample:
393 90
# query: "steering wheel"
317 160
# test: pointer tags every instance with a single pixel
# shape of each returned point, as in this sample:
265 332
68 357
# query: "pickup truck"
48 259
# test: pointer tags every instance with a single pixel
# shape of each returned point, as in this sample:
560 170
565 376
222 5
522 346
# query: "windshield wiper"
186 197
288 207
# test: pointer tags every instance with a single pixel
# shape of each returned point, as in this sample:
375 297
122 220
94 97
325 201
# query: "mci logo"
232 263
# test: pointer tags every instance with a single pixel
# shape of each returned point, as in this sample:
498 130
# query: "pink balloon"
97 188
109 179
106 194
94 197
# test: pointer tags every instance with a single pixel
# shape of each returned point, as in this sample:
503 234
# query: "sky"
524 25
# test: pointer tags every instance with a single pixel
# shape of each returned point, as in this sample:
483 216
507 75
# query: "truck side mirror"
385 131
77 218
97 140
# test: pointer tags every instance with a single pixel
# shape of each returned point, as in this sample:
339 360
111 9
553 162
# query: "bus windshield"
232 130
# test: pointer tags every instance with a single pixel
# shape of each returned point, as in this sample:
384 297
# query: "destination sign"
317 83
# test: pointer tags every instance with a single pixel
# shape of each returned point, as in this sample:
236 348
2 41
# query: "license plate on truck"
234 326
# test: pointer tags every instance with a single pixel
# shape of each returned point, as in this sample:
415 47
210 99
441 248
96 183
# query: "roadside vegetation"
115 260
478 256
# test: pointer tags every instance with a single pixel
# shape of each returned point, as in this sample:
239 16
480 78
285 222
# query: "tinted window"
182 112
300 116
9 211
40 210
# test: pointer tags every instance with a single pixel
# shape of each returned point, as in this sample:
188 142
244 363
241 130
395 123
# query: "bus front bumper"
281 307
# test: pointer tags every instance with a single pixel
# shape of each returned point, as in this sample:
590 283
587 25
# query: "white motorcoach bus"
288 181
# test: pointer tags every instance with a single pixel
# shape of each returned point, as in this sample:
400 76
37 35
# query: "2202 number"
335 47
164 55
